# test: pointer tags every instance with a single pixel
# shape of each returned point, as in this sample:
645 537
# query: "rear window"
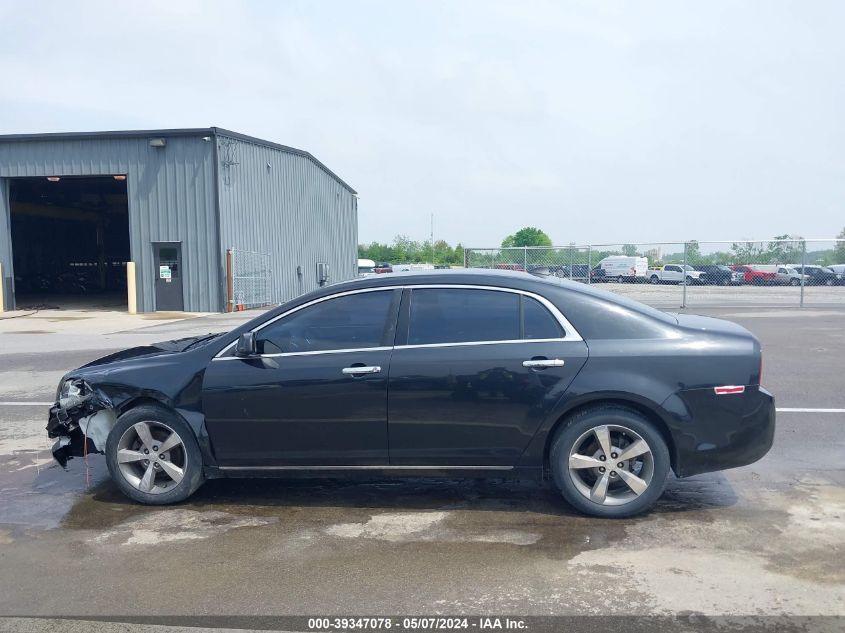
599 314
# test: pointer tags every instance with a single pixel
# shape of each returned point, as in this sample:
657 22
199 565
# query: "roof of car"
475 276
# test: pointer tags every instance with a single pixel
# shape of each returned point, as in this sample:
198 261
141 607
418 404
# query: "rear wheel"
620 279
153 457
609 462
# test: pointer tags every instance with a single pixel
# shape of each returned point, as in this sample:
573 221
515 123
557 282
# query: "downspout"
221 272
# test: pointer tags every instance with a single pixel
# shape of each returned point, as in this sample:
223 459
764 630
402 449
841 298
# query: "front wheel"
609 462
153 456
620 279
795 282
654 279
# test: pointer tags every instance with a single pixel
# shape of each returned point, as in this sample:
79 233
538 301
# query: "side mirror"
246 345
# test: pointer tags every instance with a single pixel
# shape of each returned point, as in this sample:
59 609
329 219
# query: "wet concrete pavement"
764 539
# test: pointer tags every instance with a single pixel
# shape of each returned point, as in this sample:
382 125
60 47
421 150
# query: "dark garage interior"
70 241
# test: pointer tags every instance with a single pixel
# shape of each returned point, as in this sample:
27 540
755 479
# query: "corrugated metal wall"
283 204
171 198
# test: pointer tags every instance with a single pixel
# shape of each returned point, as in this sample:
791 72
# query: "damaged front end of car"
81 419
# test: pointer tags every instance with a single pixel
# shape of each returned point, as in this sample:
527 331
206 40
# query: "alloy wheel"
152 457
611 465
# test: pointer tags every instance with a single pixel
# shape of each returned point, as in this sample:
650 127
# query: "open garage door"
70 241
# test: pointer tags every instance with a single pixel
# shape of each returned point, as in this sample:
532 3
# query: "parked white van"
623 268
366 268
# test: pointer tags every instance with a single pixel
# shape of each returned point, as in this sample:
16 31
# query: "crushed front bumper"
71 422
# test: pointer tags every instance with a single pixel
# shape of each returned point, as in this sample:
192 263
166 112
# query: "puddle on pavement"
526 514
487 512
34 494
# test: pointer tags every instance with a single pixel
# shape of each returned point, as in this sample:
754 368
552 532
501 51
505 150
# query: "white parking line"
787 410
25 404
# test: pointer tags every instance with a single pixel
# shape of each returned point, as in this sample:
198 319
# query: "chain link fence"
777 272
250 281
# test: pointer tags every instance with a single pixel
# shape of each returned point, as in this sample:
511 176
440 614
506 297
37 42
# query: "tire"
654 279
794 282
828 282
156 481
620 279
690 280
724 281
579 434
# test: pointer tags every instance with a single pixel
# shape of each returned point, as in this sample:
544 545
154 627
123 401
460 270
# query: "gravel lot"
670 296
767 539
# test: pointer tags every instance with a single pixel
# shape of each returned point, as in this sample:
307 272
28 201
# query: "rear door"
474 374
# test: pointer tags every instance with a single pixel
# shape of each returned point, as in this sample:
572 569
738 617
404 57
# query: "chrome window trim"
571 335
467 343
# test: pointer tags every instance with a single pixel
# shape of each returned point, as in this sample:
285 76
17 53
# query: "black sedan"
820 276
450 373
715 274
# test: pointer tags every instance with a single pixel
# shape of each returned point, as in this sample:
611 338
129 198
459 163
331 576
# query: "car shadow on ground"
104 505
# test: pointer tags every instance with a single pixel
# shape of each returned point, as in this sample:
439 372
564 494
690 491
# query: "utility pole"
432 239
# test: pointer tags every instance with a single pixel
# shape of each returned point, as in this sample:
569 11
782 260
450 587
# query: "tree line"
404 250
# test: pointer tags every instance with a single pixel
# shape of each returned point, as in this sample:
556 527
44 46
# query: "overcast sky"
597 122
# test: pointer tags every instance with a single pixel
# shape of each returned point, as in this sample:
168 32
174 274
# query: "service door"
168 276
478 373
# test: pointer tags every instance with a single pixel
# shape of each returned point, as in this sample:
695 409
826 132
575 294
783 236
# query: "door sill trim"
365 467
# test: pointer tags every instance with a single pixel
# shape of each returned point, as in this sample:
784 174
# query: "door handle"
541 363
354 371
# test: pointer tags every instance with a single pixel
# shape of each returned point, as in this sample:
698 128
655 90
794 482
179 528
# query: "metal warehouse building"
208 219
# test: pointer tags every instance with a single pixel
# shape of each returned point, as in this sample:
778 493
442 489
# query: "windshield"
688 267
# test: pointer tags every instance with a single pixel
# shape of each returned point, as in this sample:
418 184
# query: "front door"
168 276
316 395
478 373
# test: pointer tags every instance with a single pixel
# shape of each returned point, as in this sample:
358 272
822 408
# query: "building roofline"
179 132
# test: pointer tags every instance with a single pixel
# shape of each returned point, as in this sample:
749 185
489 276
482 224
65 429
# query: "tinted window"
538 321
447 315
349 322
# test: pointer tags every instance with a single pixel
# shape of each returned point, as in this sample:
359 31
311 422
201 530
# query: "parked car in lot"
575 272
719 275
598 275
674 273
839 269
752 275
820 275
444 373
788 276
383 267
623 268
